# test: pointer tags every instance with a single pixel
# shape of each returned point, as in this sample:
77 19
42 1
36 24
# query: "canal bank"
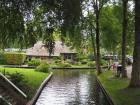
118 89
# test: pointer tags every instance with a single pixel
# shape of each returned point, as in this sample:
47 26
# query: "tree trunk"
92 39
135 76
98 45
124 34
94 50
93 42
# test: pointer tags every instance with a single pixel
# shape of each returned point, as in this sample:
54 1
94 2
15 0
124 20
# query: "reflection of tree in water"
84 89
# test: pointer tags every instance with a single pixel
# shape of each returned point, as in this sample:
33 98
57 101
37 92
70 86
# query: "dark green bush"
91 57
14 58
57 61
43 67
17 79
103 63
84 61
34 62
91 64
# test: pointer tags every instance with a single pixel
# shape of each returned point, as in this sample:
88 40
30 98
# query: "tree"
130 34
135 76
10 27
110 28
97 6
90 30
124 35
59 14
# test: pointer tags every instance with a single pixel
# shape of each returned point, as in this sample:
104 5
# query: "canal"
70 87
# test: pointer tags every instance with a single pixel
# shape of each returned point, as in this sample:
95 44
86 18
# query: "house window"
69 56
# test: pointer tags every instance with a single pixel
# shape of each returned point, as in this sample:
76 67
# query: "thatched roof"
40 50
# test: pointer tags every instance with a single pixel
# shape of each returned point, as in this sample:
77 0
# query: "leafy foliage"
34 62
27 21
17 79
103 62
43 67
64 65
91 64
111 28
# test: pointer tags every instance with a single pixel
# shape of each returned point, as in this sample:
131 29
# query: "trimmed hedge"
14 58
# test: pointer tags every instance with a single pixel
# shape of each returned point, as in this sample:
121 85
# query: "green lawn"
119 91
33 78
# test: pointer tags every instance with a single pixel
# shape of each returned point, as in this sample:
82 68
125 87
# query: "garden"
87 30
29 80
16 58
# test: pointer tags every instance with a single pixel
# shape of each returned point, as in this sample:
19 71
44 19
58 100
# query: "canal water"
70 87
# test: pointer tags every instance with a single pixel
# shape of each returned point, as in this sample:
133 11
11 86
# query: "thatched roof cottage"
39 51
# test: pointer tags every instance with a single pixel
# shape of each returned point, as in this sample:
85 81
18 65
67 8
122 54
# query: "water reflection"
72 87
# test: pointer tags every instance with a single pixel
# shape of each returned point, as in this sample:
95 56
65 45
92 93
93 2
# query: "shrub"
103 63
57 58
70 61
14 58
91 57
17 79
34 62
57 61
91 64
81 56
78 63
84 61
65 65
43 67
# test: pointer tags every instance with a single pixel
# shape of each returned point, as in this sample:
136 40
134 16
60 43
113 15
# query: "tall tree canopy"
28 19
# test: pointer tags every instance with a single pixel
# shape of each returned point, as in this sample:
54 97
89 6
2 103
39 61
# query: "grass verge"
33 79
118 89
